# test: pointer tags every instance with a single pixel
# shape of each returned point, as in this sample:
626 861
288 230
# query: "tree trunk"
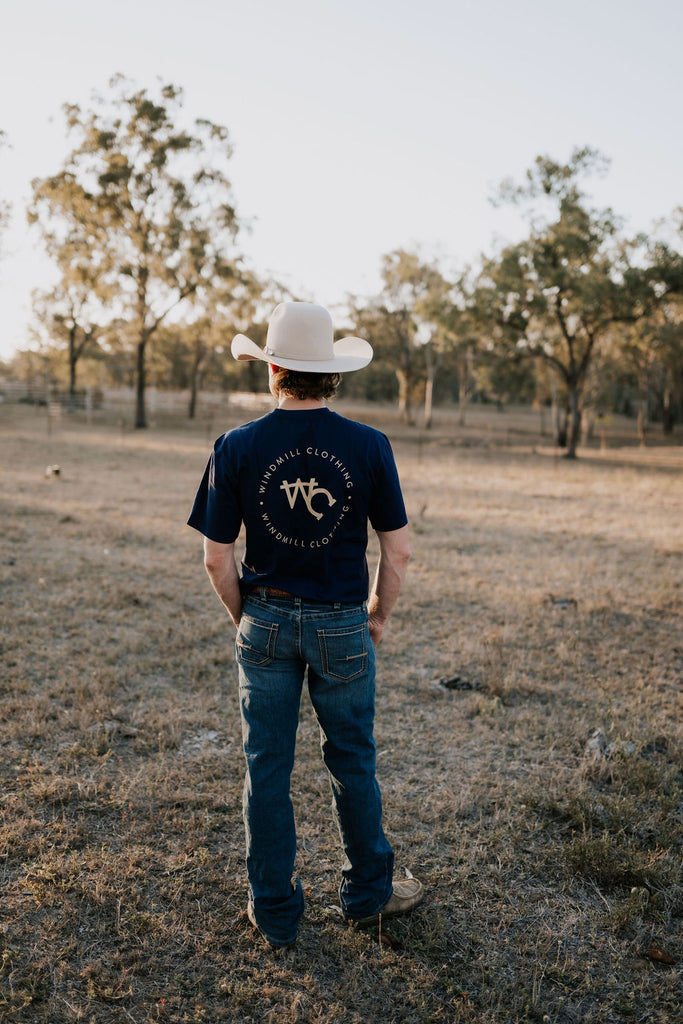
142 311
667 411
463 398
642 408
462 391
73 358
429 394
194 386
403 395
574 434
558 414
541 411
140 412
642 429
72 381
430 366
464 377
198 357
587 425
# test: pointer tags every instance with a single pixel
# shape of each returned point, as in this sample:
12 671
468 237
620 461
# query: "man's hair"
301 385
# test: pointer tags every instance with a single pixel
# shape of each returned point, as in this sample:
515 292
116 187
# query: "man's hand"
376 629
394 555
219 562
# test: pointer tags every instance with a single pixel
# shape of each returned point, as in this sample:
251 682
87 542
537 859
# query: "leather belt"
285 595
271 592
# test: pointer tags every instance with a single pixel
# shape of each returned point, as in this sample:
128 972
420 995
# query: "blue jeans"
278 639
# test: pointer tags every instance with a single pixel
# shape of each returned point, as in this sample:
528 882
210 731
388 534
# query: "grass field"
547 594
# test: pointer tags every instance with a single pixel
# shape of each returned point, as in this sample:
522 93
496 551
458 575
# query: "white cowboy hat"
300 337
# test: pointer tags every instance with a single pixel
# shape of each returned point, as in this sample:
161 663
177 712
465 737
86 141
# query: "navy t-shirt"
304 483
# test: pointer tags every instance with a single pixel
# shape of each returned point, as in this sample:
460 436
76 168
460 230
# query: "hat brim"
349 354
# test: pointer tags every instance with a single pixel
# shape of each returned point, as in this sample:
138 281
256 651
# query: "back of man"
305 482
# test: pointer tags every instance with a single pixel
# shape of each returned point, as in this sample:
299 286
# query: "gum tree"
76 312
224 312
557 294
653 348
404 324
151 202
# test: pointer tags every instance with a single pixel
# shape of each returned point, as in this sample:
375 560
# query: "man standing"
305 481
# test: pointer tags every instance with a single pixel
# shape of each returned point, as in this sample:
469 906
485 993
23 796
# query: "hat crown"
301 331
301 337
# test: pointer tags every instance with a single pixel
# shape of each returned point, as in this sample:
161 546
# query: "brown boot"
405 897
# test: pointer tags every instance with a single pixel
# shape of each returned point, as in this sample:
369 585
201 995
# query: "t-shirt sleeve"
216 512
386 510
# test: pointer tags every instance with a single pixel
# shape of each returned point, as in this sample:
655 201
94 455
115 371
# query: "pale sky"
358 127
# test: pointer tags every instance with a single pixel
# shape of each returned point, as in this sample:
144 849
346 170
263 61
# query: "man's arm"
394 555
219 562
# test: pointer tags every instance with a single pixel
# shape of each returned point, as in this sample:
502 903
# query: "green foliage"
146 206
558 294
649 353
406 324
142 226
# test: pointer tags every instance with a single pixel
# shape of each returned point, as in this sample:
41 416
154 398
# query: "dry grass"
552 589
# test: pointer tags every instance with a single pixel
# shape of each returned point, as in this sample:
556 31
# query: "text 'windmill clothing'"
304 483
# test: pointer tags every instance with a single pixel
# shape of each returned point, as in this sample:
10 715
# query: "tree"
65 323
153 202
196 352
75 312
558 293
461 336
242 306
645 357
402 322
663 329
438 318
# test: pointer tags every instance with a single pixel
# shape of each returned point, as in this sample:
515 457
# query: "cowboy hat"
300 337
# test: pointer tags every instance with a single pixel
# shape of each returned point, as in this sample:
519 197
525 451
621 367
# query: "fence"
121 400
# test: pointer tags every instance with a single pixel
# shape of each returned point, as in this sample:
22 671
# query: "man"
305 481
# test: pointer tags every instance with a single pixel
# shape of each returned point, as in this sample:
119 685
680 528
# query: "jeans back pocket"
344 651
255 641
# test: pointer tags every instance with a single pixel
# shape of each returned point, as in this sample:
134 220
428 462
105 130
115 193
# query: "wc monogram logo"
319 526
308 492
